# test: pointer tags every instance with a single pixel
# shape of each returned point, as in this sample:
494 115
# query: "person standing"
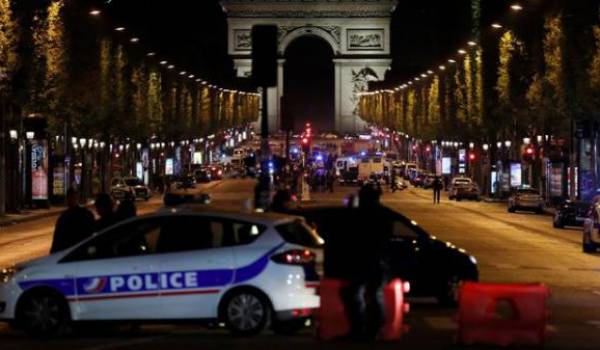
74 225
366 264
105 209
437 190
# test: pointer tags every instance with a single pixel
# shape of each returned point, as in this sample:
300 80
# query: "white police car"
246 270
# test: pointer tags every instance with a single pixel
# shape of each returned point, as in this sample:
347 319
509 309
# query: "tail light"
294 257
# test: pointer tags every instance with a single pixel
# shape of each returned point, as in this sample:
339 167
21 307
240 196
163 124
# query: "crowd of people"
78 223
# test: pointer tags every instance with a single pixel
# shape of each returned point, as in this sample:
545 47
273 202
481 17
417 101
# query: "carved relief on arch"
331 34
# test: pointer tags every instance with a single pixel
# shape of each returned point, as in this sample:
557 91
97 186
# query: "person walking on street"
74 225
105 209
437 190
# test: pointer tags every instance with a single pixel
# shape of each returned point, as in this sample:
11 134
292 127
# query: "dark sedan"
433 267
571 214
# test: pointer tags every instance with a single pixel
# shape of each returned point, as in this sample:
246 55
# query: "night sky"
193 35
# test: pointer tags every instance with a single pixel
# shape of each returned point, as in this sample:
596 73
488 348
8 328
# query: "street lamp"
13 134
526 140
486 147
507 143
30 135
499 144
471 145
516 7
540 138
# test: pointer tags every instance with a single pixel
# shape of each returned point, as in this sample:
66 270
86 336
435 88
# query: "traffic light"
529 153
306 145
472 157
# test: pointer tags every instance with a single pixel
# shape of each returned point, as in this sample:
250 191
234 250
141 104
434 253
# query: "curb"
33 217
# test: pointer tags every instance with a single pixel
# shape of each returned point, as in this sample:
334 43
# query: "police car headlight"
473 260
7 274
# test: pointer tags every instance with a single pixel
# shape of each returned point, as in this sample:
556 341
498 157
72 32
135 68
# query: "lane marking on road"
124 343
516 225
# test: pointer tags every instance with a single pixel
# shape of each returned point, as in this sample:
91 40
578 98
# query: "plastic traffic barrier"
332 318
502 314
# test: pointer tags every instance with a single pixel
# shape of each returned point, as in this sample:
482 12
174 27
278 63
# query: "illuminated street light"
516 7
120 29
134 40
82 142
182 72
442 67
472 43
30 135
191 76
95 12
496 25
451 61
429 72
526 140
423 75
13 134
151 54
462 52
540 138
507 143
170 66
162 63
499 144
486 147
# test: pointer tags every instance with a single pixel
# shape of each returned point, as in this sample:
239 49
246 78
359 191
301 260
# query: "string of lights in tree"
516 7
461 53
165 63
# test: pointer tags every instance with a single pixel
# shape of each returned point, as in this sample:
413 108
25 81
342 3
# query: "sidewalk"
36 214
32 215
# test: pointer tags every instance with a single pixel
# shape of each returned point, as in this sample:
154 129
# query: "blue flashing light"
319 157
363 153
271 165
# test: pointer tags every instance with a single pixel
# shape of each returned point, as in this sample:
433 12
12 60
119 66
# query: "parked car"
433 267
571 214
185 182
131 187
428 181
591 230
245 270
202 176
525 199
216 172
418 180
462 187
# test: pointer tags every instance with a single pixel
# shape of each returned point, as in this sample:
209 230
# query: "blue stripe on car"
173 280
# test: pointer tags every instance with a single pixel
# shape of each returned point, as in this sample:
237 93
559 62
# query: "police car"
245 270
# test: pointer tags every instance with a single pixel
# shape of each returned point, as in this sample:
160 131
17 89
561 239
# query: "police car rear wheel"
247 313
42 314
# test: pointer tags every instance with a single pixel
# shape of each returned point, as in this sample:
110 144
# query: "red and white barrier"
332 318
502 314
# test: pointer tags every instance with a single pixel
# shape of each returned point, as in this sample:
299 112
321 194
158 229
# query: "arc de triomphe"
358 32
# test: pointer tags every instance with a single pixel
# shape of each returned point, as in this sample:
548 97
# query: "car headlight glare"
6 274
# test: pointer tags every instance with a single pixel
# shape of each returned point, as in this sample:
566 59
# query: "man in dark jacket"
73 226
105 209
367 249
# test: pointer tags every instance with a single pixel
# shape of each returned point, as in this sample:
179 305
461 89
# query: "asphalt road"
509 247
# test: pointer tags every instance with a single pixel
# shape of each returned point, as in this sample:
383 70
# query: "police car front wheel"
247 313
42 314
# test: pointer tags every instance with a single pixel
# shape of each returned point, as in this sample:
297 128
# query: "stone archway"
358 32
308 84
